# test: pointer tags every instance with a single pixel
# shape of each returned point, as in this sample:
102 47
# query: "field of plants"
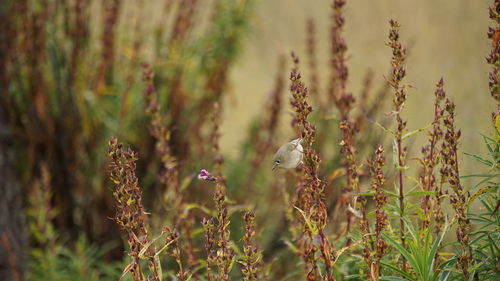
114 163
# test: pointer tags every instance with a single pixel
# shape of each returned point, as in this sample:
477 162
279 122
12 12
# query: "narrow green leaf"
391 194
310 224
480 176
486 205
398 270
368 193
409 257
392 278
164 247
185 182
409 134
157 262
420 193
444 275
435 246
487 141
389 131
147 245
480 159
480 183
494 245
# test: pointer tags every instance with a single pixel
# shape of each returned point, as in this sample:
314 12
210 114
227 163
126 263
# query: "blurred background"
72 76
445 39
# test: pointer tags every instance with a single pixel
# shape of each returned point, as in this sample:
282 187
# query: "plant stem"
401 196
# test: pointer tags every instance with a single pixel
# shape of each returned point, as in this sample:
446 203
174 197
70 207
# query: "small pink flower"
206 176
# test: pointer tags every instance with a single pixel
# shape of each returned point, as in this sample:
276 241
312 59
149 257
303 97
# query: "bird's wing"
289 147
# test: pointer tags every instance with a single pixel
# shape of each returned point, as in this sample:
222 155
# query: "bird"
289 155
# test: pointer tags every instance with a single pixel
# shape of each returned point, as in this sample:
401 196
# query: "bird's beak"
275 166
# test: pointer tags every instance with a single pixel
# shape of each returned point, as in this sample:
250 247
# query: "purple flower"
206 176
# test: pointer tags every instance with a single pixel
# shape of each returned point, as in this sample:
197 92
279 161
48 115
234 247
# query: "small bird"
289 155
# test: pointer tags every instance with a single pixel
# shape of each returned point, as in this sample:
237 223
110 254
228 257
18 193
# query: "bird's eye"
277 161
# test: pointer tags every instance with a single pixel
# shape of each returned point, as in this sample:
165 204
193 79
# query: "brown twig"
311 202
398 73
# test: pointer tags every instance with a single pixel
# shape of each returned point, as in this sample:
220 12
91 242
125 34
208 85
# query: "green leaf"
435 246
367 193
147 245
444 275
480 159
395 156
409 134
416 183
390 193
292 246
164 248
204 209
392 278
310 224
400 271
404 252
185 182
402 168
420 193
478 193
158 267
480 183
486 205
389 131
480 176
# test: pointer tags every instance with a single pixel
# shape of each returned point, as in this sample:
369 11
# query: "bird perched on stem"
289 155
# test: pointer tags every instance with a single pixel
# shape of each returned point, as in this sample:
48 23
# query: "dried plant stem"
175 252
313 61
130 213
494 56
225 255
398 73
339 72
183 22
251 261
374 246
459 197
210 242
429 161
381 217
363 105
311 203
401 197
366 238
111 13
344 102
